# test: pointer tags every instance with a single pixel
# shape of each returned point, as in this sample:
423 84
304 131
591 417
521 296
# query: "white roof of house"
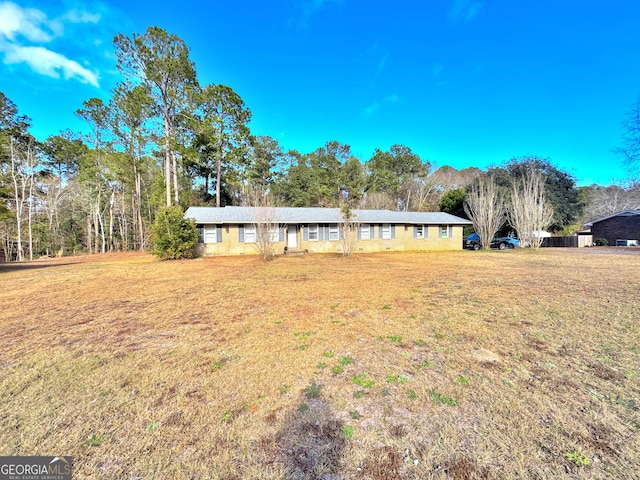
624 213
213 215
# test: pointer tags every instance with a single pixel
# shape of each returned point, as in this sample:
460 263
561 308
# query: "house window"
313 232
365 232
249 233
209 234
334 232
420 231
385 231
445 231
262 232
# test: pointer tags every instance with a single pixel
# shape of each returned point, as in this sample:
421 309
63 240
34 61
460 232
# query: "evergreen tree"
174 236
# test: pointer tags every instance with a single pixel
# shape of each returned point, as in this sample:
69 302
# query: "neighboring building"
540 234
231 230
622 228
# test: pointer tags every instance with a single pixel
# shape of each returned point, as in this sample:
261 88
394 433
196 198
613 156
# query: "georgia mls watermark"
35 468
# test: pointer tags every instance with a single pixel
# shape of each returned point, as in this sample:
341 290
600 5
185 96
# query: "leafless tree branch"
485 208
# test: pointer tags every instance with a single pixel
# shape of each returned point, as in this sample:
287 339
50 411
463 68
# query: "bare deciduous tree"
630 149
51 195
349 231
529 211
422 191
602 201
265 223
378 201
22 169
485 208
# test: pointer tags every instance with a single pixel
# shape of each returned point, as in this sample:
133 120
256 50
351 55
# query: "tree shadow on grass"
311 442
18 266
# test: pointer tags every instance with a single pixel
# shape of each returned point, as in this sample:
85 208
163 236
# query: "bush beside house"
174 236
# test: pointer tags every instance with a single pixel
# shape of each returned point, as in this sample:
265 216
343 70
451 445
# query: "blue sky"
461 82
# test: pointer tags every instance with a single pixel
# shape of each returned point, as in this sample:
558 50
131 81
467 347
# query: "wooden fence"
575 241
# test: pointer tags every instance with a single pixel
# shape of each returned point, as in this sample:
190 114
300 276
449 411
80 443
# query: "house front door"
292 236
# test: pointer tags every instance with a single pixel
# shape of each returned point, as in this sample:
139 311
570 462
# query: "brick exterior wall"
617 228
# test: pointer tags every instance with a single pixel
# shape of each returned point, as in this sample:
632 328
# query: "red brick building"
622 228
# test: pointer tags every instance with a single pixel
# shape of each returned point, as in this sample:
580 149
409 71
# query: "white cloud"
30 23
49 63
371 110
376 106
23 31
81 16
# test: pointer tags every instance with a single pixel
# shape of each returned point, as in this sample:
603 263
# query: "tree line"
163 139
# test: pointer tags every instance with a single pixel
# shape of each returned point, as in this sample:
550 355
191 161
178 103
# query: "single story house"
622 228
232 230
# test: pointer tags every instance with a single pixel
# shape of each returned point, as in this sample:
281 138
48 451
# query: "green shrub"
601 242
174 236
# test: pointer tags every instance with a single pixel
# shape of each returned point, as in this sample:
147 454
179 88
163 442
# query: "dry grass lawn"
416 365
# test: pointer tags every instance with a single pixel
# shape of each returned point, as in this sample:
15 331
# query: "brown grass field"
458 365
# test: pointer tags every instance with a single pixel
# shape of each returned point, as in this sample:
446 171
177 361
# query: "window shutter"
415 231
380 231
425 229
393 231
359 235
305 233
219 233
326 232
450 231
241 233
372 233
281 234
340 232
